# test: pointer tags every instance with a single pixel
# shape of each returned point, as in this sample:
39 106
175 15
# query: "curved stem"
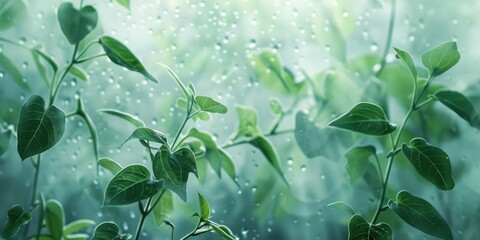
90 58
54 89
388 42
187 117
389 166
34 191
192 233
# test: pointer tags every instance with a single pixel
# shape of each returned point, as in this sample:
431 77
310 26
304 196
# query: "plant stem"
144 213
90 58
34 191
388 42
267 134
54 89
187 117
192 233
389 167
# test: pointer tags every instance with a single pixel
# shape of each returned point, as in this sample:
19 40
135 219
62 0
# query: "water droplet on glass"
303 168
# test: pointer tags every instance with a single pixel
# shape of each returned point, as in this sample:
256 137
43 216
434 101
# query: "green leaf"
207 104
441 58
357 161
77 226
267 149
227 165
407 60
270 72
360 229
184 89
76 24
342 206
4 141
275 106
110 165
147 134
16 218
109 231
9 68
212 152
222 230
124 3
163 208
121 55
247 118
204 207
125 116
54 218
431 162
365 118
12 12
174 168
39 129
314 141
460 105
78 72
421 215
131 184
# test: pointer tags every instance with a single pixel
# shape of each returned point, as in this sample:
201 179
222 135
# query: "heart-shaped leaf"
39 129
441 58
365 118
267 149
121 55
109 231
131 184
407 60
54 218
460 105
360 229
76 24
16 218
147 134
174 168
431 162
357 161
207 104
421 215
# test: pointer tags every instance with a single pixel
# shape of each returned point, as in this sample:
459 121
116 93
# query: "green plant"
40 127
171 165
430 161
